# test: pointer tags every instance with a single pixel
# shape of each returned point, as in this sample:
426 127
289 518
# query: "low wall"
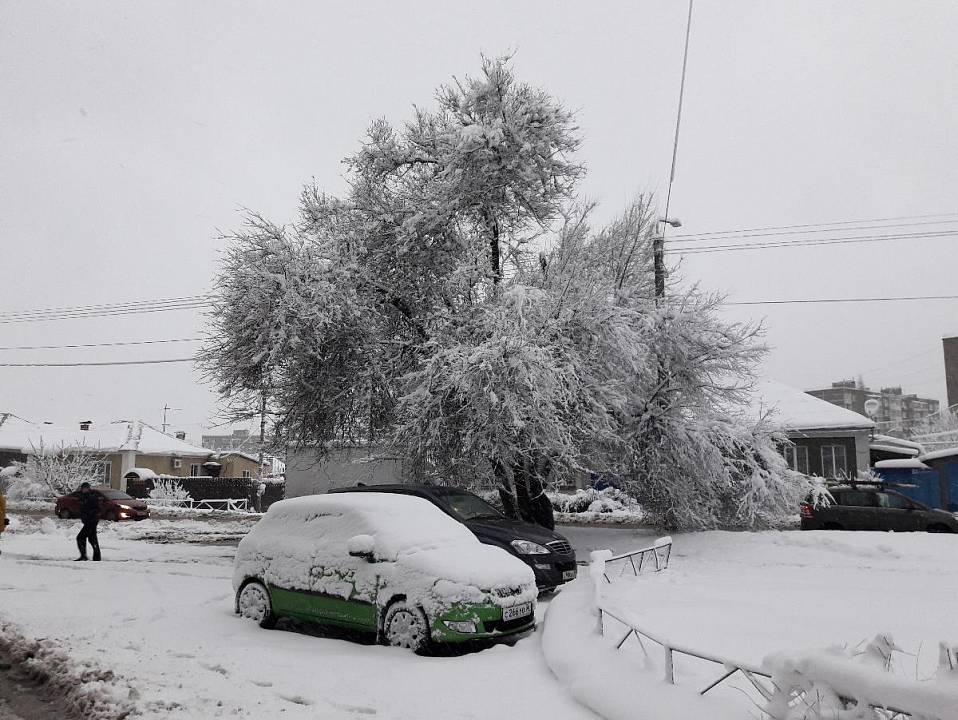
217 488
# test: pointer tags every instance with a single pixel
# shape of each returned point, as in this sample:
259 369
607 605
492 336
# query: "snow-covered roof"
897 449
939 454
901 464
143 473
792 409
895 444
124 435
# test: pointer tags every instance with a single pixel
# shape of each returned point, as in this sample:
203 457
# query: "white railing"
759 678
221 504
657 555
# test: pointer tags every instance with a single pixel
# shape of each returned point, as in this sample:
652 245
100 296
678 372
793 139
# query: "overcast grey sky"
130 132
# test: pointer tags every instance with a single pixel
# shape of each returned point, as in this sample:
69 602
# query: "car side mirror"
362 546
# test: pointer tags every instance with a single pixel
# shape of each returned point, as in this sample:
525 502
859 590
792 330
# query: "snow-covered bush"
595 501
168 489
857 684
59 470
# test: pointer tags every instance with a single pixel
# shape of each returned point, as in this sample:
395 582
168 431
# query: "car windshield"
115 495
467 506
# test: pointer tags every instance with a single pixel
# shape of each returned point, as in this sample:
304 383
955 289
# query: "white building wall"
342 467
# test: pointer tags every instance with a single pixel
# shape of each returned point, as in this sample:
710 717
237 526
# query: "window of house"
797 458
834 464
196 470
247 474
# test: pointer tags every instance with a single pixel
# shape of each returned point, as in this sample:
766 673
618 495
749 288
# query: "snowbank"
611 683
88 690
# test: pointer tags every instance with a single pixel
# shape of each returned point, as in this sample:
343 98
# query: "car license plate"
568 574
516 611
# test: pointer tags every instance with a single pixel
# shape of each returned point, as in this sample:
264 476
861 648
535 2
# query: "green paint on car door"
318 607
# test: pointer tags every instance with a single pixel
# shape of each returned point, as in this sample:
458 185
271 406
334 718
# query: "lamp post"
658 254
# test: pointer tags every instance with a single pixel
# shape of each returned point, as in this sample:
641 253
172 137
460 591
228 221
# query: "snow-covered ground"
160 616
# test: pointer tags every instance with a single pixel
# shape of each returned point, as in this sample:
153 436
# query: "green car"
393 565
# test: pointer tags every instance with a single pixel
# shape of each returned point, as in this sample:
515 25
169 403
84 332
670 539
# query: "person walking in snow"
90 516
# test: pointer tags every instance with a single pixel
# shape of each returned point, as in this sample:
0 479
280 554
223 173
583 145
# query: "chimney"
85 424
180 434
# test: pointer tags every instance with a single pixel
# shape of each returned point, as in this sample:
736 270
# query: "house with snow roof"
828 441
121 447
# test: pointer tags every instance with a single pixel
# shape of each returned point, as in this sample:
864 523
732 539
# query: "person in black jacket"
90 516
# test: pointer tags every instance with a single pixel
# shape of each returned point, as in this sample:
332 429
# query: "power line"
93 345
107 311
100 364
928 235
813 225
841 300
708 237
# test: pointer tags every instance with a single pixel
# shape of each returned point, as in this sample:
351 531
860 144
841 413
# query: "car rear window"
890 500
858 498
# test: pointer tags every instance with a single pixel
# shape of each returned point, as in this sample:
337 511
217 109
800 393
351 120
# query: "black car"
873 507
550 555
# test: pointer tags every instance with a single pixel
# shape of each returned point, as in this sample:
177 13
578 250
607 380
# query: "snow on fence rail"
657 553
814 684
223 504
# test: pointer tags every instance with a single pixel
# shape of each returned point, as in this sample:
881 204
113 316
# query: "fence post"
669 672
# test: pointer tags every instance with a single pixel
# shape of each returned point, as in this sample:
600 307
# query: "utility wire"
744 235
840 300
93 345
100 364
814 225
107 306
928 235
69 314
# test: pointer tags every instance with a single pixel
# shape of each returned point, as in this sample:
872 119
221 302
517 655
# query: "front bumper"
490 627
551 570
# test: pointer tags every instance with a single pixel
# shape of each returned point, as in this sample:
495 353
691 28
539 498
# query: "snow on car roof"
792 409
398 523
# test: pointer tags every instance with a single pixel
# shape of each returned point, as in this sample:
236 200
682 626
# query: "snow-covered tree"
457 304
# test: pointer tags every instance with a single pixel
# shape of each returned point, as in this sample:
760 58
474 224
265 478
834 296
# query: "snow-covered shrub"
858 683
58 470
607 500
168 489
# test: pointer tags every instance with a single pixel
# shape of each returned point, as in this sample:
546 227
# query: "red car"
114 505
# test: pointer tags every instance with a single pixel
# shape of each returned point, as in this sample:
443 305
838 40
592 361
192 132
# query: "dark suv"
550 555
872 507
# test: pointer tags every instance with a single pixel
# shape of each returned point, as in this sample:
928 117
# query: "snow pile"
841 683
419 552
87 690
609 505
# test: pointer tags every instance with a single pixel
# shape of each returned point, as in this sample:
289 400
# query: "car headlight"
461 626
124 507
527 547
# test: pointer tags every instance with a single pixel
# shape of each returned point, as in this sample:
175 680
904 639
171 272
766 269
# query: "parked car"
872 507
114 505
387 564
548 553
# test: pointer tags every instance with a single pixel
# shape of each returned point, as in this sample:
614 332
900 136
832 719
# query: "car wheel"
405 626
64 514
832 526
938 528
253 603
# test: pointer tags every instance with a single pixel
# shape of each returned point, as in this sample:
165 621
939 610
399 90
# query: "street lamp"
658 253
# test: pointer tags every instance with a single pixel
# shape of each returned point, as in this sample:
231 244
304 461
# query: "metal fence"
655 556
221 504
